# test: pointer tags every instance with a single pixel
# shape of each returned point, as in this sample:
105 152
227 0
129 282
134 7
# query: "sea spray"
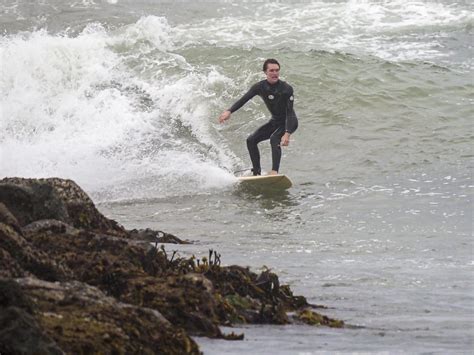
81 107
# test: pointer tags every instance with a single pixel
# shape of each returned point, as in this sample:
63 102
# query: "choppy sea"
123 97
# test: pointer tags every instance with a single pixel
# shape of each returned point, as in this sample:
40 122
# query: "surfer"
278 97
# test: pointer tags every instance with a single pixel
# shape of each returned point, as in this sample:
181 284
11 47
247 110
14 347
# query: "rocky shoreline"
73 281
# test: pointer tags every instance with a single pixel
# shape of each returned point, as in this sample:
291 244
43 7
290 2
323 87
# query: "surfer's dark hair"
270 61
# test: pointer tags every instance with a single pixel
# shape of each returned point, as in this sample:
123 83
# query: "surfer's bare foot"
273 172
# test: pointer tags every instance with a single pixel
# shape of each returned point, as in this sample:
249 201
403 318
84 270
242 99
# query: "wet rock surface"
73 281
31 200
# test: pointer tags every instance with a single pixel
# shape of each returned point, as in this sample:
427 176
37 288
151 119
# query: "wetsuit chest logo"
271 97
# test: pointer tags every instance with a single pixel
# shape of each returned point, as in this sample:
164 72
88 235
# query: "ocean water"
123 97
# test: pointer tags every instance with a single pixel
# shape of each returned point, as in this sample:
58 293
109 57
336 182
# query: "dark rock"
18 257
151 235
20 333
49 225
249 297
82 319
8 218
30 200
186 300
11 295
9 267
310 317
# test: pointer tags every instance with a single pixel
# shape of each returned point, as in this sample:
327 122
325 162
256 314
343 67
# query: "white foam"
75 107
394 30
152 29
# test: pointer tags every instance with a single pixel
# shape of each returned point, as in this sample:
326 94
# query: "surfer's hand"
224 116
285 140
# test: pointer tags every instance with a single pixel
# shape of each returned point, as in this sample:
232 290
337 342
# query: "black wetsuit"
278 98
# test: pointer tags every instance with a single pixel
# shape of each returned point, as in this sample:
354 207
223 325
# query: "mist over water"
123 97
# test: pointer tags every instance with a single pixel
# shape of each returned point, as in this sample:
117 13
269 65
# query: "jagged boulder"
81 319
155 236
20 333
6 217
18 258
30 200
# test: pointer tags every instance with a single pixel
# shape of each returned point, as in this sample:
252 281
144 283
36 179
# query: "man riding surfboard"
278 97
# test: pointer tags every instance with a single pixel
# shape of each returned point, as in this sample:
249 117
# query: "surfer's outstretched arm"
244 99
241 102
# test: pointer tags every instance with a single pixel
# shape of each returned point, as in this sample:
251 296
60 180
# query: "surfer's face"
272 73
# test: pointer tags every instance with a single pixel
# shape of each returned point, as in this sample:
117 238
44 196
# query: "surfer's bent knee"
251 140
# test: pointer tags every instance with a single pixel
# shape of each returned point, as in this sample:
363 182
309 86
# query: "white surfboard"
279 181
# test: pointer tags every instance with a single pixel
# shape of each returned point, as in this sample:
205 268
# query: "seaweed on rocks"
20 333
81 319
155 236
85 284
19 258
